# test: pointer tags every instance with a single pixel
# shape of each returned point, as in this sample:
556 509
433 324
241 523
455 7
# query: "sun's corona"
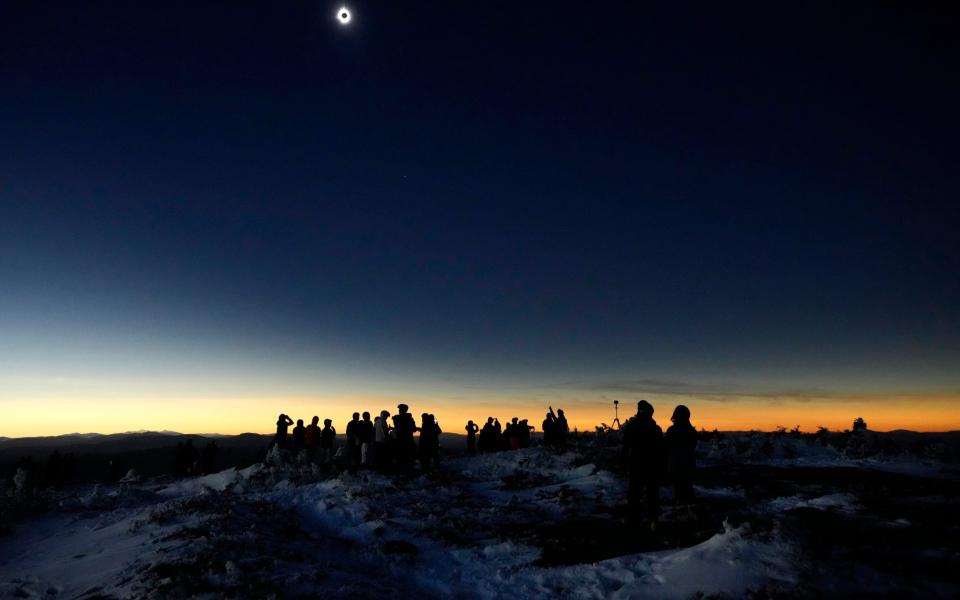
343 15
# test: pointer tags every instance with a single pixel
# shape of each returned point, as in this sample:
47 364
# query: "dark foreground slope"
526 524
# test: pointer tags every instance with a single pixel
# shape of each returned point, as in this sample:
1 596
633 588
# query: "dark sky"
499 191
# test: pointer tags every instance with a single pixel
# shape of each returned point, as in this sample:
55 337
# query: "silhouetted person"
208 459
472 430
643 454
381 441
681 442
429 442
511 435
498 439
563 429
283 422
366 440
299 436
523 430
353 440
328 436
550 429
311 438
487 435
403 428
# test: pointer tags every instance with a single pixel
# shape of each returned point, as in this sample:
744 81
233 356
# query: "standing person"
299 433
681 442
563 430
403 428
523 433
328 436
429 442
487 435
497 441
381 441
472 430
366 440
283 422
353 440
549 425
311 438
643 453
511 435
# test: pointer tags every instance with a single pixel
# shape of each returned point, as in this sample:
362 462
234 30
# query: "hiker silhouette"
487 436
681 445
642 452
353 441
562 429
328 436
311 438
381 441
404 427
283 422
472 430
429 442
299 436
366 440
549 428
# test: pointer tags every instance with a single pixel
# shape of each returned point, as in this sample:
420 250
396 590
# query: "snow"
462 532
842 502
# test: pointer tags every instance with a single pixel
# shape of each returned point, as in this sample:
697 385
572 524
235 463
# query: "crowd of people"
387 443
494 437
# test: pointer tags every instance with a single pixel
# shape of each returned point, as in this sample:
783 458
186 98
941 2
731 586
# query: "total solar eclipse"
343 15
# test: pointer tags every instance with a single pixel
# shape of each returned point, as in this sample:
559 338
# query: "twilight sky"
211 213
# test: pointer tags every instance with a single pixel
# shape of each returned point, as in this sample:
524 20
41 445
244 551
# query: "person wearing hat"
643 454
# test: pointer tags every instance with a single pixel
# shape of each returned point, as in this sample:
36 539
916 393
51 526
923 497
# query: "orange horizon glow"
926 413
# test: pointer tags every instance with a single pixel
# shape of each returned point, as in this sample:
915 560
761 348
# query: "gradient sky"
213 212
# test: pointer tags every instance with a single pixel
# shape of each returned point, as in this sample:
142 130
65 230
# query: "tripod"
616 415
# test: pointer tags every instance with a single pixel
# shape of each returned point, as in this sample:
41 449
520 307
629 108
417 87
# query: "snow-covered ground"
513 524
